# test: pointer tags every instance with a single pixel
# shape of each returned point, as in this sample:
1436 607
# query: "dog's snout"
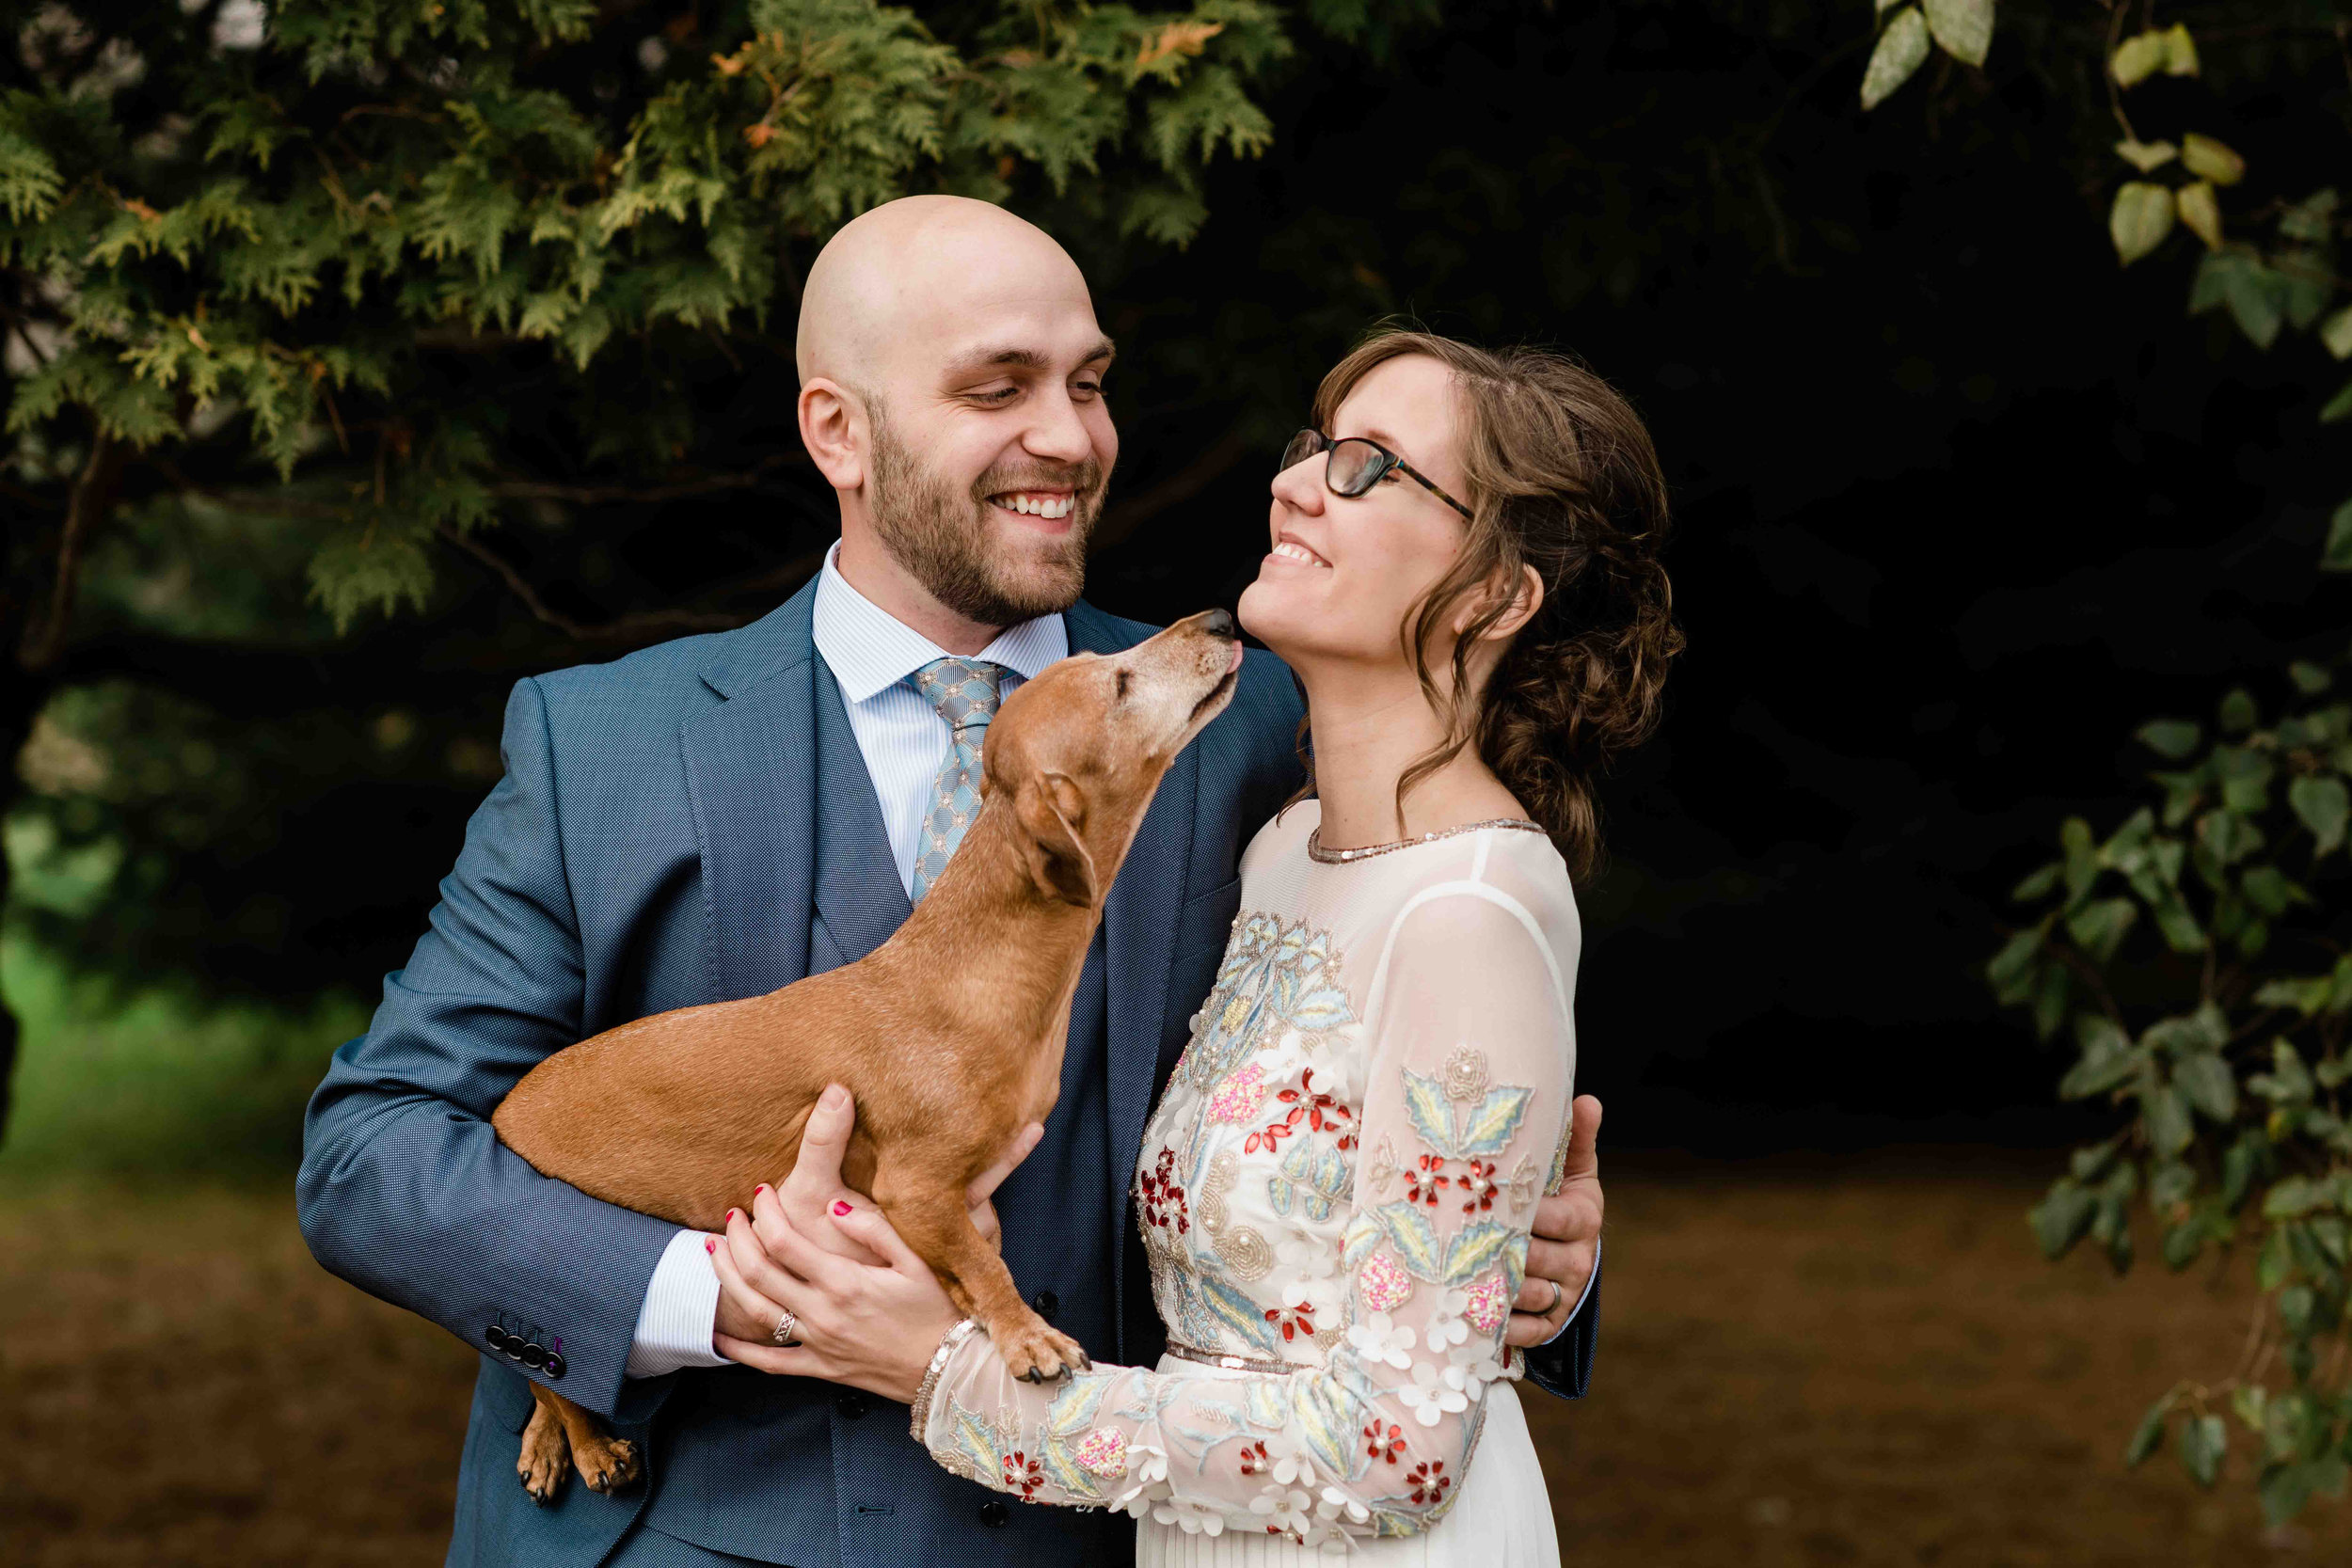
1220 623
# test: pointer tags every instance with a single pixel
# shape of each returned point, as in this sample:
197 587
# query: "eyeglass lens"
1355 464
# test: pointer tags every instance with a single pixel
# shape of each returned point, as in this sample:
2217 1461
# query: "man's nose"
1057 431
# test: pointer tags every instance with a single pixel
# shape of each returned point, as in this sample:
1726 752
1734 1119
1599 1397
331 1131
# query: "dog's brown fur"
949 1036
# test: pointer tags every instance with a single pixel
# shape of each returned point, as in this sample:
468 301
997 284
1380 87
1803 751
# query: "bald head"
908 271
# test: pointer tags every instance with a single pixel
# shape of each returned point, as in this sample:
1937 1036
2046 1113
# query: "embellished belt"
1234 1363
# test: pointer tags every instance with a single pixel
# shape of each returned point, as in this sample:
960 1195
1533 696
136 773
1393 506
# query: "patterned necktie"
965 693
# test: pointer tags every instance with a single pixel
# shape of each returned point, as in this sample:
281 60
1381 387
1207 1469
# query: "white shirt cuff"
681 1311
1590 1280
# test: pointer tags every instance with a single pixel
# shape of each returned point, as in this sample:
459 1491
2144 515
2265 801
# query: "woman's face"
1345 570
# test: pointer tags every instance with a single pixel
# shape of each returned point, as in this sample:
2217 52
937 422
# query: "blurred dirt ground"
1860 1363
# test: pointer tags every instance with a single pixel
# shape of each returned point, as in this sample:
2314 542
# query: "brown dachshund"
949 1036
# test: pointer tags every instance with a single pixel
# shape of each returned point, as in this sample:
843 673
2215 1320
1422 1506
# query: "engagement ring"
791 1320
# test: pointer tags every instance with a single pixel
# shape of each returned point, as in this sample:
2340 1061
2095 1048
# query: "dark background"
1960 504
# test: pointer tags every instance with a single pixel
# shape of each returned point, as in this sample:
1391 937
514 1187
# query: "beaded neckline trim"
1341 857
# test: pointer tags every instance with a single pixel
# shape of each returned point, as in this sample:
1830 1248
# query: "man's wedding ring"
1558 1295
791 1320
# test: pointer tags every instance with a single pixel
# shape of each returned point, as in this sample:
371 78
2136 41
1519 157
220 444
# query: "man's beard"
941 535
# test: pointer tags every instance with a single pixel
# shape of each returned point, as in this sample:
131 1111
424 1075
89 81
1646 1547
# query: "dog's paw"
608 1463
1036 1353
546 1458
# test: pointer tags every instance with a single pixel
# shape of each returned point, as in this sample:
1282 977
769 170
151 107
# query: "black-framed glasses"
1358 463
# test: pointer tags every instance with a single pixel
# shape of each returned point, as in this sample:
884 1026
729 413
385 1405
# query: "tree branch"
601 495
1177 488
93 494
638 625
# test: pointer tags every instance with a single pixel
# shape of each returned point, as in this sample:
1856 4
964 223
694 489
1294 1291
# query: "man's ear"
1052 809
833 428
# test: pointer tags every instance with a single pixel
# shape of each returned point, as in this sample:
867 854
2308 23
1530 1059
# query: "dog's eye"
1122 685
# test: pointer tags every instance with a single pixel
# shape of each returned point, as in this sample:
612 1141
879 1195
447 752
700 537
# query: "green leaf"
1430 1113
2238 1167
2179 52
2051 998
2208 1084
2337 334
1902 49
2149 1435
1495 1120
2099 927
2136 59
2098 1075
2274 1263
2212 159
2087 1163
2306 994
2228 836
2147 157
2173 1184
2010 971
2308 678
2269 889
2237 712
2203 1444
2175 737
1963 28
2338 407
2166 1114
2249 1403
1415 1240
2060 1219
2291 1199
2297 1303
2139 220
2038 884
2183 1243
2199 208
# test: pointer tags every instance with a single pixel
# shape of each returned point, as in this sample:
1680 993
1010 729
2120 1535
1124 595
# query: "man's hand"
1566 1240
803 1204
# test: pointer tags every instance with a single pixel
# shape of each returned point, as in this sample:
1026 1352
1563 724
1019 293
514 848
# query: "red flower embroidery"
1163 1205
1422 1184
1024 1475
1293 1320
1384 1442
1323 1112
1254 1460
1430 1481
1274 1131
1480 1185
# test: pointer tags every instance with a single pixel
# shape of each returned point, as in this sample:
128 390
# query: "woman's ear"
1526 595
834 429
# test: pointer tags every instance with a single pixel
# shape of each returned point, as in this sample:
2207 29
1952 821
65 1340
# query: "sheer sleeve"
1470 1058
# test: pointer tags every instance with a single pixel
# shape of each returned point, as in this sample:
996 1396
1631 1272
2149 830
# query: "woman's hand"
869 1312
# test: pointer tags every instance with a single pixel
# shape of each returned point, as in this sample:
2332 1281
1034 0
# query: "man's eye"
1090 389
1001 394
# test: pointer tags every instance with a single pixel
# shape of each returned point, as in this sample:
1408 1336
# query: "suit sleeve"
406 1190
1563 1365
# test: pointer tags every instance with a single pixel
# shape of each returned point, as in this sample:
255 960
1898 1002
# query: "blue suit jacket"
687 825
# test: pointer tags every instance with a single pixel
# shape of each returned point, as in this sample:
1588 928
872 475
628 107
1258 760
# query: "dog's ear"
1052 809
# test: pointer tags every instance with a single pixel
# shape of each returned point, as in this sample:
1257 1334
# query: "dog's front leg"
938 1227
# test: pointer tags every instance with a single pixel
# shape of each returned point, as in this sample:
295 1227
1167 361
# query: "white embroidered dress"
1335 1193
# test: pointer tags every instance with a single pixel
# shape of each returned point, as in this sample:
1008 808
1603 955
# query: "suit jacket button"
1047 1304
993 1514
534 1355
851 1403
555 1365
495 1336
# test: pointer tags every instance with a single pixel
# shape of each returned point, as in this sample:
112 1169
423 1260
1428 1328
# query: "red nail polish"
761 1188
731 1216
839 1207
710 1243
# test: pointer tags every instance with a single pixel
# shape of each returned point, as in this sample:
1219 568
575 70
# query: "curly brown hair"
1561 477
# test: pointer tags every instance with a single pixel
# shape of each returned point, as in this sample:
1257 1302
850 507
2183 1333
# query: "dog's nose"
1218 623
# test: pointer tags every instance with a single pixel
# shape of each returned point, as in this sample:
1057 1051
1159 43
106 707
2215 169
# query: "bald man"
720 816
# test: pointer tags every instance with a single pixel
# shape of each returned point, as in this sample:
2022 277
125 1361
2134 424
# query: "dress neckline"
1315 851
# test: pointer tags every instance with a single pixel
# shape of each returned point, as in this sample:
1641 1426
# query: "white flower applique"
1450 1324
1382 1339
1478 1369
1434 1394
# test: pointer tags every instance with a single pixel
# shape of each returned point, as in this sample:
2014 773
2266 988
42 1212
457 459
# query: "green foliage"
2235 1132
249 248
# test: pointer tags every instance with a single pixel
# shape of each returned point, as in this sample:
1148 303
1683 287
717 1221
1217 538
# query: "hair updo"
1561 477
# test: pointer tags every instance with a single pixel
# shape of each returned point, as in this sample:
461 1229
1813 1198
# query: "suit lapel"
1140 920
857 888
750 769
